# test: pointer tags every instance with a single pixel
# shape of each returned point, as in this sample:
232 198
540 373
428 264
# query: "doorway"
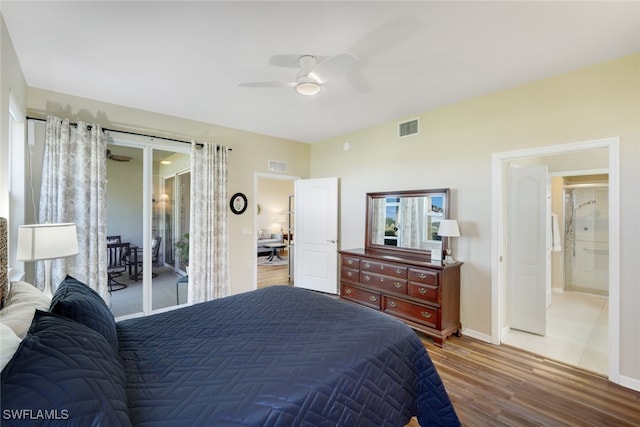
273 224
580 156
137 212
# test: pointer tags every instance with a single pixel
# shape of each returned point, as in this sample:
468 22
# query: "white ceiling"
186 58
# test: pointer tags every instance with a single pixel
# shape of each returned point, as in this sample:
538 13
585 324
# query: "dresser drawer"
383 268
370 299
385 283
351 262
349 274
425 292
415 312
427 277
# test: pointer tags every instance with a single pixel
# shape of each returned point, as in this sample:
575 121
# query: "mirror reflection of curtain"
73 189
209 223
378 221
409 227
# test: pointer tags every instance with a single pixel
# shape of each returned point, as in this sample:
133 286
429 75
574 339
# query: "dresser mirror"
407 221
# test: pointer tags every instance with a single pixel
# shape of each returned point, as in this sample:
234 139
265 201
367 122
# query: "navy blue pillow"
66 374
75 300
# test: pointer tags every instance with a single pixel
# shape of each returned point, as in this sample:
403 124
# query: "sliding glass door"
141 211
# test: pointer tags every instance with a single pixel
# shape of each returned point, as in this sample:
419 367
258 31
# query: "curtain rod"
128 133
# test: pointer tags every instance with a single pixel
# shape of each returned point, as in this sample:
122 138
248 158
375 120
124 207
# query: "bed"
278 356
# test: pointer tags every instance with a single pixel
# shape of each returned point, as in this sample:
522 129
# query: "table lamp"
449 228
46 242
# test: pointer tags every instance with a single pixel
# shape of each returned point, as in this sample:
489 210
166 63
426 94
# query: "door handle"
331 241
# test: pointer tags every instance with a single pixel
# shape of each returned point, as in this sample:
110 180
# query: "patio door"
139 211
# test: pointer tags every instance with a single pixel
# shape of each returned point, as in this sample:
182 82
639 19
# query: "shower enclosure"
586 213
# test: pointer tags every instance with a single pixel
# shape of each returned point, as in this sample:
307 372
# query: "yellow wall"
454 149
251 153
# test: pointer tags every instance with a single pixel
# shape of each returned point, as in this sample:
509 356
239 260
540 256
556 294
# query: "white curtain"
209 230
73 189
409 232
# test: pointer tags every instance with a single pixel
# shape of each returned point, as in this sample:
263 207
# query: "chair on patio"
117 259
137 257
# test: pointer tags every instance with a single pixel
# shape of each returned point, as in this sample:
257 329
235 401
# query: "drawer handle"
382 267
393 304
367 278
382 280
426 314
422 276
349 261
422 291
373 298
348 290
398 270
397 285
366 264
349 273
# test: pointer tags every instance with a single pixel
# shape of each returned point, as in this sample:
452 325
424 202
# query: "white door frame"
498 239
256 177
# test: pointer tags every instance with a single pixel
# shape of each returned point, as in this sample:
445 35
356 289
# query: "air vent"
408 128
277 166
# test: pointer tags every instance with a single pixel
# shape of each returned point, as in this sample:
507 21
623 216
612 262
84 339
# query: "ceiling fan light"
307 88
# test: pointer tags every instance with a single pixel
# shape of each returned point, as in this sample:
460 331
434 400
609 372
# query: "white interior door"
316 234
528 248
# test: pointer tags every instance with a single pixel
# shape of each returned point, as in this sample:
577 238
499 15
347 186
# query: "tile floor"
577 330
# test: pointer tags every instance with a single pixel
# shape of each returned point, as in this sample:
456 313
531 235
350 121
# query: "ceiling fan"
313 73
117 158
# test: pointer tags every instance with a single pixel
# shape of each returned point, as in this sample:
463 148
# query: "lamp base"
448 259
47 279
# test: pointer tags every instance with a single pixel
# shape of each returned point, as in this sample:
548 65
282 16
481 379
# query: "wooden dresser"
425 296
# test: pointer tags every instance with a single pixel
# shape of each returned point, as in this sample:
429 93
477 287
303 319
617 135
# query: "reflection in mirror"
406 220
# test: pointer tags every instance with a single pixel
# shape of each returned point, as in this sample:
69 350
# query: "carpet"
264 261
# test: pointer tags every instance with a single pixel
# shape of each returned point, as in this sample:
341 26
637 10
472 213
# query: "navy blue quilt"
278 356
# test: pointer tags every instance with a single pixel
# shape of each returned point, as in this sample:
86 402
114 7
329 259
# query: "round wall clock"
238 203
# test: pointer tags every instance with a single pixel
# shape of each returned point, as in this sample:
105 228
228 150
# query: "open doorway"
273 224
582 158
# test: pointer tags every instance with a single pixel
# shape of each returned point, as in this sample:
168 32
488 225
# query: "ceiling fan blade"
386 36
358 81
334 66
268 84
290 61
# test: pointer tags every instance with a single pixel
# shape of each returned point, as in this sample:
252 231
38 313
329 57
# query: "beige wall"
273 198
250 154
454 149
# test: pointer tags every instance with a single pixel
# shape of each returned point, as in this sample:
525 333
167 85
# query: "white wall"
12 83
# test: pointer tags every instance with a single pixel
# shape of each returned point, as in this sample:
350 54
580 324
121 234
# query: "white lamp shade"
449 228
46 241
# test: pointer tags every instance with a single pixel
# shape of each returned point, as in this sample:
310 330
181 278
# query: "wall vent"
408 128
277 166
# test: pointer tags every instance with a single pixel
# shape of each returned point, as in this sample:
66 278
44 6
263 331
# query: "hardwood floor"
492 385
269 275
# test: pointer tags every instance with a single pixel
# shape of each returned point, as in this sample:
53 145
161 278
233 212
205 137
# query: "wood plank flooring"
269 275
492 385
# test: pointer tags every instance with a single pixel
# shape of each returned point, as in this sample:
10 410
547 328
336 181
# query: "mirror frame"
371 197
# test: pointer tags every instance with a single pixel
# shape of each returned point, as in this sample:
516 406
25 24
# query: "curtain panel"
209 229
74 190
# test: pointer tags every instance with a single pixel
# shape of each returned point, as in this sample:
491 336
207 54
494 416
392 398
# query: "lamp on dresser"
449 228
46 242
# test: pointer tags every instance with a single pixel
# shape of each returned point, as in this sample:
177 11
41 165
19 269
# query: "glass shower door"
587 239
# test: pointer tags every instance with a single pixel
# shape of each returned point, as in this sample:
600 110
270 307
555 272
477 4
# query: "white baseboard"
477 335
628 382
